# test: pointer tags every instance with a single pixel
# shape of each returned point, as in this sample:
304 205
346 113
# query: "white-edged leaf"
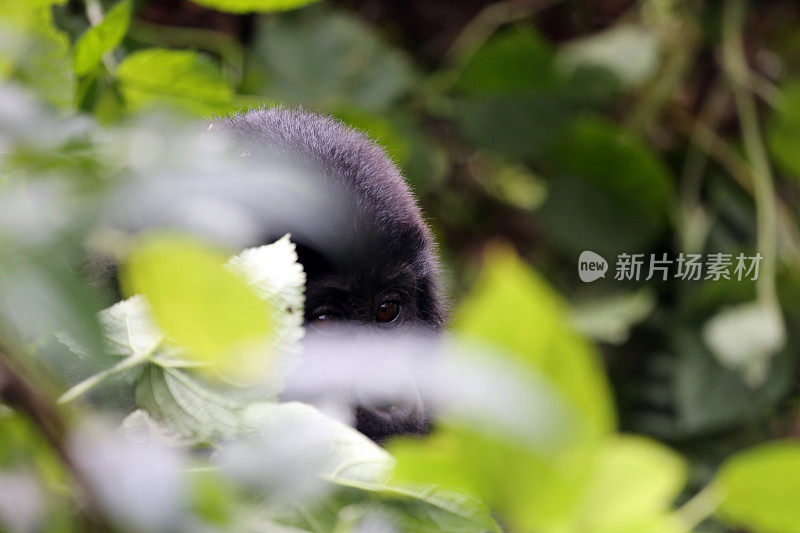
277 277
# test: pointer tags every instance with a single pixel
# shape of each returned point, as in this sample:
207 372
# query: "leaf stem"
90 382
698 507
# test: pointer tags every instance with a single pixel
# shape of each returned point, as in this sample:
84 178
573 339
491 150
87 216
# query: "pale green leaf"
202 306
102 38
759 489
247 6
634 482
512 308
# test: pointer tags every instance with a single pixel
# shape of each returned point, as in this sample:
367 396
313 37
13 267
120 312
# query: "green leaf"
201 305
623 189
247 6
511 307
635 481
759 488
181 78
517 60
102 38
711 397
330 62
783 131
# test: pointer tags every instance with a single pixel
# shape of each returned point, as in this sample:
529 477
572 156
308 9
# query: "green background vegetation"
542 127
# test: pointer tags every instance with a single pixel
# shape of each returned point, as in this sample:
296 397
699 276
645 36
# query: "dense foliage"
541 130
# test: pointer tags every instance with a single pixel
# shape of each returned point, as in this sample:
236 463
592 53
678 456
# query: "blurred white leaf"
744 338
609 319
141 487
292 448
22 503
628 50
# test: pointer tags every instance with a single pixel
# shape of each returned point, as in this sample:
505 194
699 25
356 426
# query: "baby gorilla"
383 270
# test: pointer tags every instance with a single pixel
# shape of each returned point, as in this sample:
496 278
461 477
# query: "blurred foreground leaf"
759 488
247 6
512 308
200 305
34 52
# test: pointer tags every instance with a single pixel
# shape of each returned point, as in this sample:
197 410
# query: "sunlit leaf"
511 307
610 319
201 305
247 6
635 481
276 276
759 488
99 39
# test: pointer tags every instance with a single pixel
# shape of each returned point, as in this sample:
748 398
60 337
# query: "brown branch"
19 394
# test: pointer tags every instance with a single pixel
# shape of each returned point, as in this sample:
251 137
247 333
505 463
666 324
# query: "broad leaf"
759 488
512 308
181 78
201 305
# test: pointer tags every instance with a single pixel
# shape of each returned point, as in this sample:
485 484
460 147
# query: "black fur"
388 248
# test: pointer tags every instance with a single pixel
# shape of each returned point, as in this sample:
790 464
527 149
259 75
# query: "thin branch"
21 395
738 72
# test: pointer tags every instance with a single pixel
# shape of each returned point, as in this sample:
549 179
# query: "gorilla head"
381 268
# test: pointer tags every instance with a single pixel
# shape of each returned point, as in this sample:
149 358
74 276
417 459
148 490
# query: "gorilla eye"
387 311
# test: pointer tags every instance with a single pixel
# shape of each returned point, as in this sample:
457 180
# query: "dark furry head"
387 248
